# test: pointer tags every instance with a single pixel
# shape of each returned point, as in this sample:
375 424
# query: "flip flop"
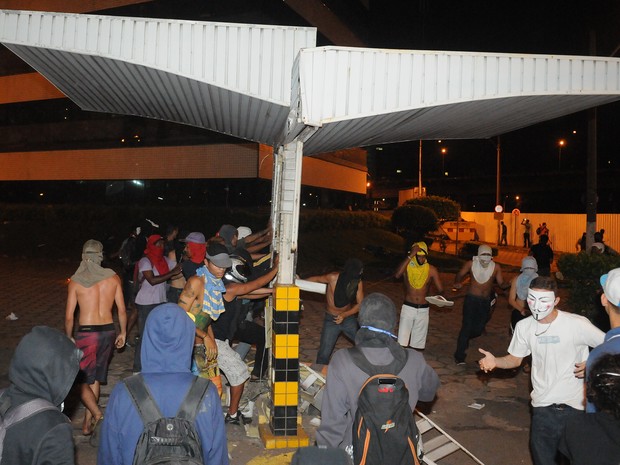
439 301
93 440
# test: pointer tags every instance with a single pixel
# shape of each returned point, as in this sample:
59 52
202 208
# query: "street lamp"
443 158
561 144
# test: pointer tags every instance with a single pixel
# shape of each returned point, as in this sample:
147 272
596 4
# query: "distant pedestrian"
543 254
580 246
527 228
504 238
542 230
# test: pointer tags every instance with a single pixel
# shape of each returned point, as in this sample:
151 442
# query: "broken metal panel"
361 97
231 78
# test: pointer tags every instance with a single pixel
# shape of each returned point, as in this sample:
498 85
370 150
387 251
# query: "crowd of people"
190 297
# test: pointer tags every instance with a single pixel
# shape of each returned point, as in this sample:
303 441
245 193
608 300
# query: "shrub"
583 272
413 222
445 209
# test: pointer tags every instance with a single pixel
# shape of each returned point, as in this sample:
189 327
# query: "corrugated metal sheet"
564 229
368 96
262 83
231 78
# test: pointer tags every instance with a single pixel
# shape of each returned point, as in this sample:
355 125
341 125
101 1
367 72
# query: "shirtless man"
343 297
203 297
414 315
484 274
95 290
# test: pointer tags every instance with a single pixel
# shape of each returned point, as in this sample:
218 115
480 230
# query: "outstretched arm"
490 362
234 290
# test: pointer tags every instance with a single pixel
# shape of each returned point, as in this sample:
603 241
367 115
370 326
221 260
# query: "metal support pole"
420 170
497 185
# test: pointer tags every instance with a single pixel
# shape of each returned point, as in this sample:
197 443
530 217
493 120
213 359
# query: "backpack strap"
190 405
142 399
394 367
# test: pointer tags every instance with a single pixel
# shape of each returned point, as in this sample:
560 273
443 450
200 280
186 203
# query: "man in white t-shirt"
558 342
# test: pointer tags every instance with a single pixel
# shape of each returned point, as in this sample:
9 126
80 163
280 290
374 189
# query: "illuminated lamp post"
561 144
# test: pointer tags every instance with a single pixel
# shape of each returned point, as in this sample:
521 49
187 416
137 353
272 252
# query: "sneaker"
238 419
460 362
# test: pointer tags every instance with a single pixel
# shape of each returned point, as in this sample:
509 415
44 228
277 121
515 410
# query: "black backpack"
384 429
167 441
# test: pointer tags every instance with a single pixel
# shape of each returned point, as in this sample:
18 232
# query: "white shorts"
230 363
413 326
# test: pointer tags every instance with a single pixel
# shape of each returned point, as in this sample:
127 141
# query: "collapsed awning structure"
270 84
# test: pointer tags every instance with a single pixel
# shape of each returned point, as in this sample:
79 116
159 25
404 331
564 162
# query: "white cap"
611 286
243 231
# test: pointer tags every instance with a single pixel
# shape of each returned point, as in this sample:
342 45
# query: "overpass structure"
270 84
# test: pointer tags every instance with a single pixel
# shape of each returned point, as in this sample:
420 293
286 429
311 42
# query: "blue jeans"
475 316
330 334
547 428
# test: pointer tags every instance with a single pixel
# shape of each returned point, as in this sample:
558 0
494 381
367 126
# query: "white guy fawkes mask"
541 303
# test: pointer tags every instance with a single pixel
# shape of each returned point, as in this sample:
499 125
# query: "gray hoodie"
44 366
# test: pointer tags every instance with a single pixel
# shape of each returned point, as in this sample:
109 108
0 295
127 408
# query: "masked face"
485 259
541 302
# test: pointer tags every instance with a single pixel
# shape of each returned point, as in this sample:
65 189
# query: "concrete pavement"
497 434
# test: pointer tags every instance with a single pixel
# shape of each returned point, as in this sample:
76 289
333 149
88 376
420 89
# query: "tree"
413 222
445 209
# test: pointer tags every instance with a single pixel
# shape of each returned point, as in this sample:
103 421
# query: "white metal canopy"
269 83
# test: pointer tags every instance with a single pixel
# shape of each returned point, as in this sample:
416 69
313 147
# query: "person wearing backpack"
167 347
377 344
33 429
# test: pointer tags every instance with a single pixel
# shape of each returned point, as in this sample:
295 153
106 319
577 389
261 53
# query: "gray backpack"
18 414
167 441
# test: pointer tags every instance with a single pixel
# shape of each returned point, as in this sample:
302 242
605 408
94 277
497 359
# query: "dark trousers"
253 333
475 316
143 313
548 425
330 333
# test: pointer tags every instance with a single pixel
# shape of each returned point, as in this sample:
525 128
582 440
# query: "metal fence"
564 229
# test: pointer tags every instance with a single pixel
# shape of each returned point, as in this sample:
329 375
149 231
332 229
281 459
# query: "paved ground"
497 434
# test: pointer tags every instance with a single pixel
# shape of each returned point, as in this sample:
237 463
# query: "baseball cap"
218 255
195 237
611 286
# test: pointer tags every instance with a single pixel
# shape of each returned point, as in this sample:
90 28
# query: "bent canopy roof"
270 84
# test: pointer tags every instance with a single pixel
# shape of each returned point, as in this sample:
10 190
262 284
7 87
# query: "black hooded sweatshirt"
44 366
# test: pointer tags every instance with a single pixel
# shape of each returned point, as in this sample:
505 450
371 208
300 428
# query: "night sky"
525 26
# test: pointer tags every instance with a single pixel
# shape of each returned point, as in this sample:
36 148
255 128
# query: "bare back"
96 302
